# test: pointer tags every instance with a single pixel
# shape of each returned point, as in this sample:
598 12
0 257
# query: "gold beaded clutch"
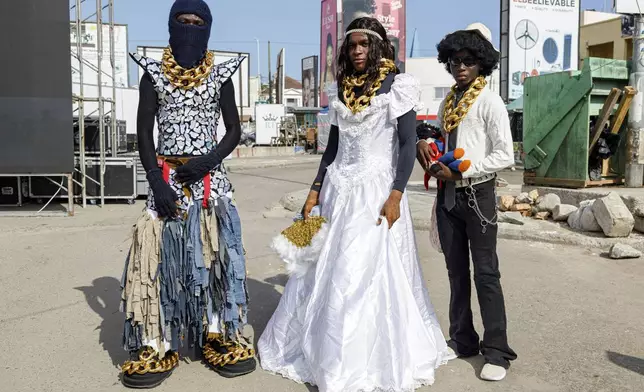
301 232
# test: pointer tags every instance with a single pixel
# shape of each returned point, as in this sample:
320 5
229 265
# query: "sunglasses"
467 61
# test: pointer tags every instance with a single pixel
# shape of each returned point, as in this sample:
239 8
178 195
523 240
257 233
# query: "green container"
557 109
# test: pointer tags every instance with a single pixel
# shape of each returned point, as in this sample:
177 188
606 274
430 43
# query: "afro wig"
471 41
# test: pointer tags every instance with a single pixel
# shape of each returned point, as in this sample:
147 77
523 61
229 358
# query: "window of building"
441 92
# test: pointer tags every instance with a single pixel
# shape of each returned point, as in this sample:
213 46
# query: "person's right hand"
423 154
311 201
165 198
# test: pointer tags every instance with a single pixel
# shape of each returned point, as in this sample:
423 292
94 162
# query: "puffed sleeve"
405 96
332 93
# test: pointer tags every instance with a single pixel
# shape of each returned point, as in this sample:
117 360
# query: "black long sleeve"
406 150
148 105
164 197
230 116
327 158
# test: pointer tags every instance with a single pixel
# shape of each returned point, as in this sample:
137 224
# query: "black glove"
197 168
165 198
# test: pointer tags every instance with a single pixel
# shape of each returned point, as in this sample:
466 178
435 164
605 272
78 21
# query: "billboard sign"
328 44
628 26
267 122
543 37
631 7
89 42
310 82
390 13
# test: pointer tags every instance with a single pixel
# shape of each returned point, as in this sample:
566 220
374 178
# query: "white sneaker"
451 354
493 372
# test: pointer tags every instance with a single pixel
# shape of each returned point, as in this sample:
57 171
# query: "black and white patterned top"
187 121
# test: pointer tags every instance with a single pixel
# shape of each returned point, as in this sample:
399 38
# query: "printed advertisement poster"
391 13
328 42
268 118
310 82
89 42
544 38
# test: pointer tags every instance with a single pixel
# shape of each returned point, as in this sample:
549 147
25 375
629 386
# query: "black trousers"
460 232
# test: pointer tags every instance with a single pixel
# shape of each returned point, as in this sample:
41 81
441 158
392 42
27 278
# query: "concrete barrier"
248 152
533 230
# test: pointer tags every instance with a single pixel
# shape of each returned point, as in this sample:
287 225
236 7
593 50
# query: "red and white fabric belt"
167 163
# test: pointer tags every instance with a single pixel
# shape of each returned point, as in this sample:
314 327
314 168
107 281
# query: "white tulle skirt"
360 318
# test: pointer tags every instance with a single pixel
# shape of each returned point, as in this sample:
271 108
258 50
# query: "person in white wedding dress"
359 319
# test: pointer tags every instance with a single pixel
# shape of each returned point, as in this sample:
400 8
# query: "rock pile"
608 214
621 251
530 204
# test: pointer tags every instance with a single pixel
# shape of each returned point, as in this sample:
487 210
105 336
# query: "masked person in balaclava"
185 276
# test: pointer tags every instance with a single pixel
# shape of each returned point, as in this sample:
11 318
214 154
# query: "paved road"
575 318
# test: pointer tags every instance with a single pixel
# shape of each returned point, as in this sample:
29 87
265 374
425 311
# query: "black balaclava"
189 43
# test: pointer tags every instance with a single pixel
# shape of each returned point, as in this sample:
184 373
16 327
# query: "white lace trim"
405 95
299 260
292 374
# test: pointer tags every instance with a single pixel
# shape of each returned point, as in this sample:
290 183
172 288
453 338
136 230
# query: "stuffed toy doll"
452 159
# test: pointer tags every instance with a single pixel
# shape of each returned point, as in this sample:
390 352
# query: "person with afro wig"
474 118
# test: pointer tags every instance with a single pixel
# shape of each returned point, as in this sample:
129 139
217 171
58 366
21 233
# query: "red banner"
391 13
328 43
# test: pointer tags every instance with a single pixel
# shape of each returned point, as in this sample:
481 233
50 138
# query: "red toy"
452 159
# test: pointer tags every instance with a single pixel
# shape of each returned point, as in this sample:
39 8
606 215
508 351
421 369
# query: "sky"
295 25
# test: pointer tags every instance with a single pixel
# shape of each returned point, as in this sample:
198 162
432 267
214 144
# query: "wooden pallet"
529 178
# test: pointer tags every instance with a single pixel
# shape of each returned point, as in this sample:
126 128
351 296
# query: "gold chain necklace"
454 114
186 78
350 82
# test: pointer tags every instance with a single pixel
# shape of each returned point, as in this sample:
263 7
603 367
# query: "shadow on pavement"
278 280
477 364
264 296
627 362
104 297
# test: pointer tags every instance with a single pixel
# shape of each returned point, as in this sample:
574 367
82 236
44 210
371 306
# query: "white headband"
364 31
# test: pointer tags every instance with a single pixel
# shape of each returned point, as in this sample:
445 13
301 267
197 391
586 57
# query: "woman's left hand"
391 209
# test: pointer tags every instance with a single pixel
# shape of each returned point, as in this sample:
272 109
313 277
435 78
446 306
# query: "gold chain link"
350 82
149 362
236 351
186 78
454 114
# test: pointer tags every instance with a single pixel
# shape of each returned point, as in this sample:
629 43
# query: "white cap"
483 31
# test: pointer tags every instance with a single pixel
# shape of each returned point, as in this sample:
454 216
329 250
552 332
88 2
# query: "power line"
238 42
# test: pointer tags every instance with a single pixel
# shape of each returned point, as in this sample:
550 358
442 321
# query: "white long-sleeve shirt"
485 135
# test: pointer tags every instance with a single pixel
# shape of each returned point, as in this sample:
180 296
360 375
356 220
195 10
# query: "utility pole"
259 71
634 175
270 76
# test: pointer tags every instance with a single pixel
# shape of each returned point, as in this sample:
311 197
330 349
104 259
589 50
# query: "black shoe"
228 359
144 381
148 371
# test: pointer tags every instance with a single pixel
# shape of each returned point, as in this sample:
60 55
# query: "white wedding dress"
360 319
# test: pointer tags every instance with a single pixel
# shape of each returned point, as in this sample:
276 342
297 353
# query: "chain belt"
474 181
